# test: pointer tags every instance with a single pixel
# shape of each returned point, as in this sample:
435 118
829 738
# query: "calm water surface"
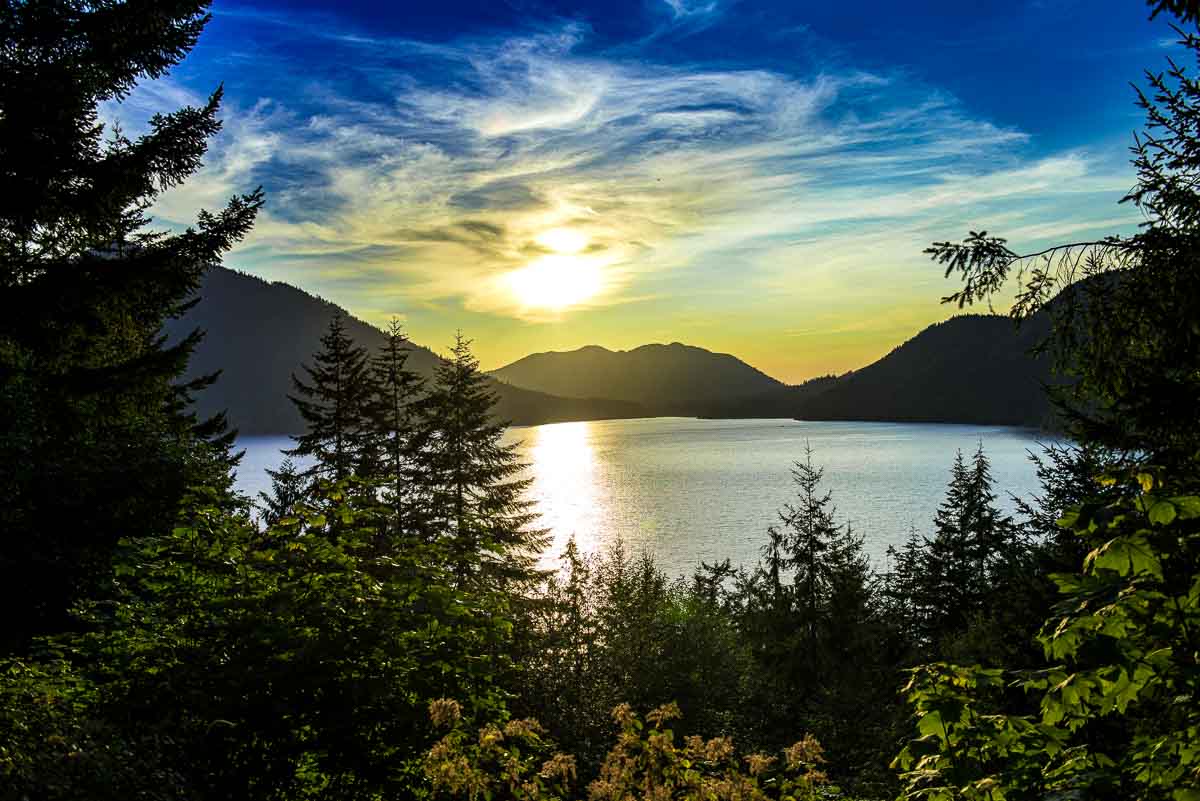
688 490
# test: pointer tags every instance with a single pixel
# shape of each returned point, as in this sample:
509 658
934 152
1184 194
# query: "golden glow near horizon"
554 195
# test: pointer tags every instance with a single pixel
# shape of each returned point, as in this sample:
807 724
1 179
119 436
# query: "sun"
562 240
556 282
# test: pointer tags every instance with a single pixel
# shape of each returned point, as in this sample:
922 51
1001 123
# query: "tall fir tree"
335 405
393 437
289 488
950 586
902 588
812 564
812 618
97 440
474 497
960 564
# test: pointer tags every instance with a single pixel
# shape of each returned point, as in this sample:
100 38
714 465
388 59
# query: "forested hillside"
674 379
971 368
968 369
257 334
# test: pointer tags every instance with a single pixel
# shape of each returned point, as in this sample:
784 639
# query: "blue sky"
752 177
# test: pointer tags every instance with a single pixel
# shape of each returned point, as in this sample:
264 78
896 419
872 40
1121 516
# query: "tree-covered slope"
259 333
666 379
968 369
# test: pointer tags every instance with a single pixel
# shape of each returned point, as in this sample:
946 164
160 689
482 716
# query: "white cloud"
442 191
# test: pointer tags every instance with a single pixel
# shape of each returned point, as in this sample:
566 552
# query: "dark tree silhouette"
393 440
335 405
289 488
470 478
957 566
96 440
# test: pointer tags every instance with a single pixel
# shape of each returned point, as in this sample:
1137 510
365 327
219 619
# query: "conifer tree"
470 478
812 618
791 592
289 488
906 606
335 403
393 438
950 583
822 560
96 438
971 540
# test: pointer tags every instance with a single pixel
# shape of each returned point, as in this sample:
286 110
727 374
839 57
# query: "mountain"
259 333
972 368
782 401
673 379
969 369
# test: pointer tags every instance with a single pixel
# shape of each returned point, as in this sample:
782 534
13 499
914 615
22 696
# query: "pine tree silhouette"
470 478
98 440
335 404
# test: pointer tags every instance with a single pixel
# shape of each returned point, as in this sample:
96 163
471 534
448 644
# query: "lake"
688 490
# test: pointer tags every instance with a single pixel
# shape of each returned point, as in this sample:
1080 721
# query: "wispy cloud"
433 188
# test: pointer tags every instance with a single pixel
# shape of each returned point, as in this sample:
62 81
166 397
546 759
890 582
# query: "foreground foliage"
260 664
1113 710
515 762
1118 711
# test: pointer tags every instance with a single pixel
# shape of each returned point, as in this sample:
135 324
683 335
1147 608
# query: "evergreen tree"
393 439
813 563
289 488
473 495
335 404
902 587
811 615
959 565
96 438
950 586
808 533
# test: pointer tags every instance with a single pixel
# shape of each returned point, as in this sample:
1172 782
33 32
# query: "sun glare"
556 282
567 485
562 240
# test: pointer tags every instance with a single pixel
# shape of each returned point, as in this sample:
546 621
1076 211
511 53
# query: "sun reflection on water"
566 486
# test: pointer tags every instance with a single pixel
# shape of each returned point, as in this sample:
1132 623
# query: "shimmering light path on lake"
688 490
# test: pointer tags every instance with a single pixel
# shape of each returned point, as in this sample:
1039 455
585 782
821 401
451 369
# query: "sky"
757 178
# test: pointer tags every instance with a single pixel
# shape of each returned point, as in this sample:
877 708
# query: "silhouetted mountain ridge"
258 333
972 368
670 379
968 369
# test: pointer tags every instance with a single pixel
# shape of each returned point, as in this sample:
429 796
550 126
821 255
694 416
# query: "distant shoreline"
1041 430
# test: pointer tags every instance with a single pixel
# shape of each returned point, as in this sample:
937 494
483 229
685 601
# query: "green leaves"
1121 640
318 654
1127 556
930 724
1162 513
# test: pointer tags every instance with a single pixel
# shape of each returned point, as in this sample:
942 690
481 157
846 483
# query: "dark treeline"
377 627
